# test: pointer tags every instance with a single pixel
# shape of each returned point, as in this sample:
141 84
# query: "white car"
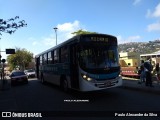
30 73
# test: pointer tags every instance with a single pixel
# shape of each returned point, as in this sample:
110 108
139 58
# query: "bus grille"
106 84
107 79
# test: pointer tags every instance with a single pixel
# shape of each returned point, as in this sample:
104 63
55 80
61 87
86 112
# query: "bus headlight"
89 79
86 77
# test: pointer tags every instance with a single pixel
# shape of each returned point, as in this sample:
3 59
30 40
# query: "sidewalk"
132 84
5 84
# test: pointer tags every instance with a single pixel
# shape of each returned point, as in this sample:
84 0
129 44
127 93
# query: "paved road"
37 97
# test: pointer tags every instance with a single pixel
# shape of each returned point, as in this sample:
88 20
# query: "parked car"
30 73
18 77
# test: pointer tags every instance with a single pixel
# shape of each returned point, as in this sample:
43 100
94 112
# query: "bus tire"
65 85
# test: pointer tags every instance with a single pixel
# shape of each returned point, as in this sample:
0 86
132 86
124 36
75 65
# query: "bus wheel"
65 85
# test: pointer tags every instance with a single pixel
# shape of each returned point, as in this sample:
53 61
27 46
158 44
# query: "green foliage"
79 32
21 58
10 26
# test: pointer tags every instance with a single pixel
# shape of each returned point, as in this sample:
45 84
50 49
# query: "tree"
79 32
21 58
10 25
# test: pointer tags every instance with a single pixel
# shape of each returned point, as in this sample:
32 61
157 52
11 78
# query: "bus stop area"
132 84
5 83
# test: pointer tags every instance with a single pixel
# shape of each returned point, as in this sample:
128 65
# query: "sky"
128 20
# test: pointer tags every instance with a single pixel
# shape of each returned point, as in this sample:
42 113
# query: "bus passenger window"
41 60
64 54
49 57
56 56
45 59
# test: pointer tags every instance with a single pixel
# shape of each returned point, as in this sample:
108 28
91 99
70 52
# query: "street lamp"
56 33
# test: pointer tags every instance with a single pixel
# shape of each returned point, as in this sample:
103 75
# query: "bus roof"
73 39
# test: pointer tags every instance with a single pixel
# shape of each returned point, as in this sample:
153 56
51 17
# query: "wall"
129 62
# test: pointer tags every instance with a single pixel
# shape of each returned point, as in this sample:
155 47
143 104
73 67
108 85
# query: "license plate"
108 83
20 80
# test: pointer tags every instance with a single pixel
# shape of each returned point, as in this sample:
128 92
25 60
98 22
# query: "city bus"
86 62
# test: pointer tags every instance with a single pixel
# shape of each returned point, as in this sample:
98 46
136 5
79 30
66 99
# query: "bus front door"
74 67
37 67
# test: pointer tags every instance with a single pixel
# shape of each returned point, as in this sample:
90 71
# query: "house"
155 57
129 59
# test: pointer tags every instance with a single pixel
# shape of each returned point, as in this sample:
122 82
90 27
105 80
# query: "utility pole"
56 33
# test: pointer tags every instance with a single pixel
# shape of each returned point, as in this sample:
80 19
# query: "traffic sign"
10 51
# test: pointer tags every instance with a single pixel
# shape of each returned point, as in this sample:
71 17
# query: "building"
129 59
153 56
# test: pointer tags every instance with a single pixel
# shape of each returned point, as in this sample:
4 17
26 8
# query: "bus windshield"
91 57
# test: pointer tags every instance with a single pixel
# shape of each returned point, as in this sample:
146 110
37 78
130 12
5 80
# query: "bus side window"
50 57
45 60
52 54
64 54
41 60
56 56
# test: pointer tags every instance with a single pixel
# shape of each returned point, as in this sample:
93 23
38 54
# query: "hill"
140 47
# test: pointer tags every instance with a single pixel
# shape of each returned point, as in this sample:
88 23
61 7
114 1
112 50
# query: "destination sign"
107 40
99 39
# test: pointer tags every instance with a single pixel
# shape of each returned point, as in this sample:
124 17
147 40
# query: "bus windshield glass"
91 57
